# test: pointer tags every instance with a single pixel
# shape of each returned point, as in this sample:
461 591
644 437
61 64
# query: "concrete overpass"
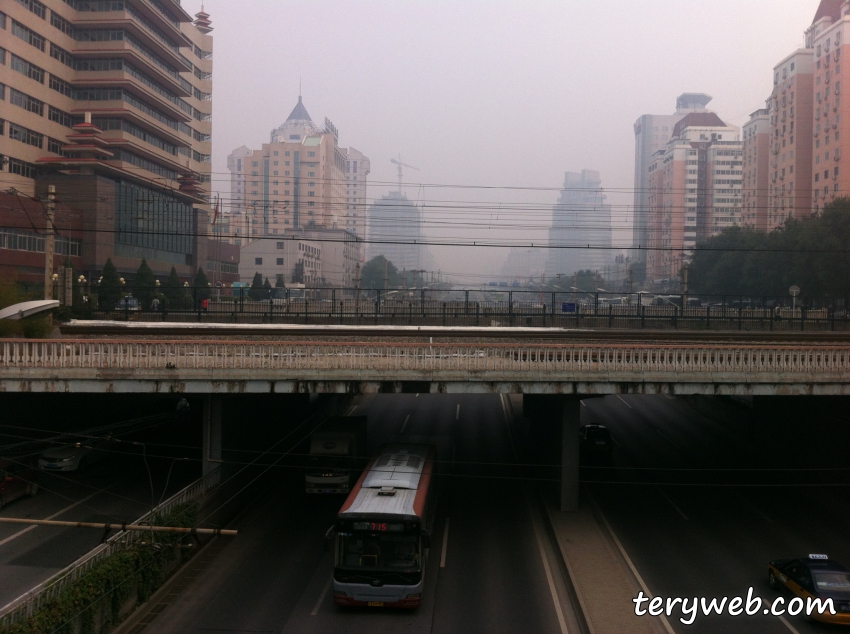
556 375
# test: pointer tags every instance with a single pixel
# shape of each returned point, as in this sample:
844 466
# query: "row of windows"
25 135
22 240
27 69
22 168
28 36
35 6
144 135
25 101
143 163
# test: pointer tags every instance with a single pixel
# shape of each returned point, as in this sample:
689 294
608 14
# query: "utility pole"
386 278
356 287
49 243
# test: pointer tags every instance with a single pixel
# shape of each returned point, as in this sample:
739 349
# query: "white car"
69 458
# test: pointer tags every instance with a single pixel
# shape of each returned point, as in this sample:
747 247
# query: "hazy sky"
503 94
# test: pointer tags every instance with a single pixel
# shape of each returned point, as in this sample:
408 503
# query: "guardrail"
261 360
498 306
26 604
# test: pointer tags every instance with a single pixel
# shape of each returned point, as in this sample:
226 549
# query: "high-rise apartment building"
580 218
756 161
652 132
395 231
791 131
827 39
695 191
111 103
357 168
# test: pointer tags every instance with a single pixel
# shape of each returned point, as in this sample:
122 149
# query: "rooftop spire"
299 112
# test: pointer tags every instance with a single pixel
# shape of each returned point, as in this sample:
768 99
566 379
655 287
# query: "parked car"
595 442
76 457
16 480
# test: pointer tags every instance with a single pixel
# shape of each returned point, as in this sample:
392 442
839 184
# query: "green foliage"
144 286
256 292
141 568
174 290
372 274
109 290
278 282
804 252
202 286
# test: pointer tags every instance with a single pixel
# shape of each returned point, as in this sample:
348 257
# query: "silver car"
76 457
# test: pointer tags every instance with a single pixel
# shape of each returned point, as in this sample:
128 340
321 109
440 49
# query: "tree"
279 283
202 286
256 291
109 290
372 273
173 290
807 252
144 286
267 289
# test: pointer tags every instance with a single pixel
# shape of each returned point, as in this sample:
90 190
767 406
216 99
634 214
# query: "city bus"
383 531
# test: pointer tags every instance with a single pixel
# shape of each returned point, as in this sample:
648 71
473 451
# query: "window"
61 23
311 154
258 261
280 261
22 168
63 118
27 69
25 135
59 86
55 145
26 102
279 245
35 6
28 36
62 55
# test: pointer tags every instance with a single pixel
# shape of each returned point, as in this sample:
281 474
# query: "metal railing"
551 362
26 604
426 307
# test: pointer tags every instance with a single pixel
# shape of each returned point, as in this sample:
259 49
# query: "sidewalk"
600 575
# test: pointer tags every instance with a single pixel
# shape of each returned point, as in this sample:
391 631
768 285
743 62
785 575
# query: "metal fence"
25 605
425 307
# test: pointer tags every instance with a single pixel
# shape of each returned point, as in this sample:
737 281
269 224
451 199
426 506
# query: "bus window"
380 552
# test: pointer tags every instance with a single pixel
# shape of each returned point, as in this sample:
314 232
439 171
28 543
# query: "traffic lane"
259 577
106 493
697 541
494 580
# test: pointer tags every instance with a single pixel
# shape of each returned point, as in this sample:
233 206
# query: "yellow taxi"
814 577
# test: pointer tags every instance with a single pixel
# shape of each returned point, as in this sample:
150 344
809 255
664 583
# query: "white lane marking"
549 579
756 509
405 424
664 436
417 394
583 404
788 625
352 409
627 558
614 440
457 413
672 503
624 402
445 544
54 516
322 598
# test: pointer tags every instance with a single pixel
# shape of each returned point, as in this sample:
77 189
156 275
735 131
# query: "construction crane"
400 165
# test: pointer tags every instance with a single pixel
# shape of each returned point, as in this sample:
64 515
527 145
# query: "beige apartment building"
827 40
301 185
791 130
111 102
756 162
694 191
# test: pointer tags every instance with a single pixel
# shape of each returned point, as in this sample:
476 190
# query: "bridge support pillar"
212 434
570 423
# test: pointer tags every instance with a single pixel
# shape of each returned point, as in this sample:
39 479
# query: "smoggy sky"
497 93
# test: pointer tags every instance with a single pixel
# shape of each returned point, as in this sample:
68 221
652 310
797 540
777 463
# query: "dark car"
595 441
817 577
17 479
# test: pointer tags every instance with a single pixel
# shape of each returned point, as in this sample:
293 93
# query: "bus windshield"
399 552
